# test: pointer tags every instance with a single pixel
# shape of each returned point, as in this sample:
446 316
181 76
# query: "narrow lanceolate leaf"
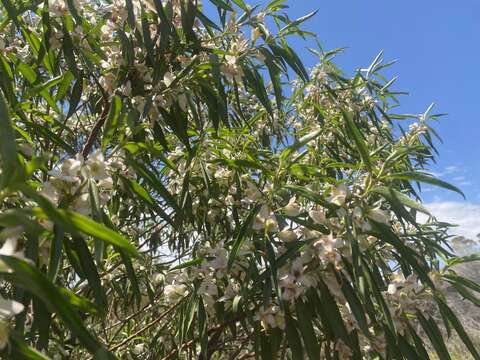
452 318
143 194
435 336
355 305
56 252
20 350
297 145
8 150
90 271
425 178
240 238
297 22
293 338
156 184
75 97
389 193
74 222
187 264
357 137
35 282
305 324
112 121
333 316
310 195
99 231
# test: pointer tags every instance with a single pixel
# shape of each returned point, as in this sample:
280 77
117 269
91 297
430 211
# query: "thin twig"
96 129
148 326
98 125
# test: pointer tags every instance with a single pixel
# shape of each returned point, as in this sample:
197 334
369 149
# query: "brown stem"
96 129
148 326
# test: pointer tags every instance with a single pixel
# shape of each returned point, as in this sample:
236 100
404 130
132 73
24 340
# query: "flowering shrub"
175 186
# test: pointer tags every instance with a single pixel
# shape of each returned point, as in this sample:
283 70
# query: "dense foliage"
175 186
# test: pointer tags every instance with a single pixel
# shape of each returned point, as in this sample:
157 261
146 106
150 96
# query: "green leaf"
291 58
35 282
20 350
418 343
100 231
202 327
333 315
435 336
90 271
256 83
127 261
300 143
305 324
297 22
293 338
75 96
357 137
48 84
187 264
8 148
220 4
310 195
240 238
389 193
112 121
156 184
452 318
56 252
425 178
138 189
355 305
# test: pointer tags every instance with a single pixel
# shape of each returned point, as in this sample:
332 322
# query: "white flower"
71 167
208 287
318 215
158 278
9 248
231 69
59 179
252 194
265 219
12 232
271 317
392 289
82 204
292 208
175 291
271 225
297 266
9 308
287 235
168 79
138 349
106 184
256 34
338 194
290 289
96 165
139 103
379 215
221 260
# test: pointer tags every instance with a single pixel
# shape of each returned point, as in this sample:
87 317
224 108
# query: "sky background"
437 47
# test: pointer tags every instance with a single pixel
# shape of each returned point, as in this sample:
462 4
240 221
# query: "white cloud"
449 170
464 214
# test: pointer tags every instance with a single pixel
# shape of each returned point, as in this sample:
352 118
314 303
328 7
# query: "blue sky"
437 48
